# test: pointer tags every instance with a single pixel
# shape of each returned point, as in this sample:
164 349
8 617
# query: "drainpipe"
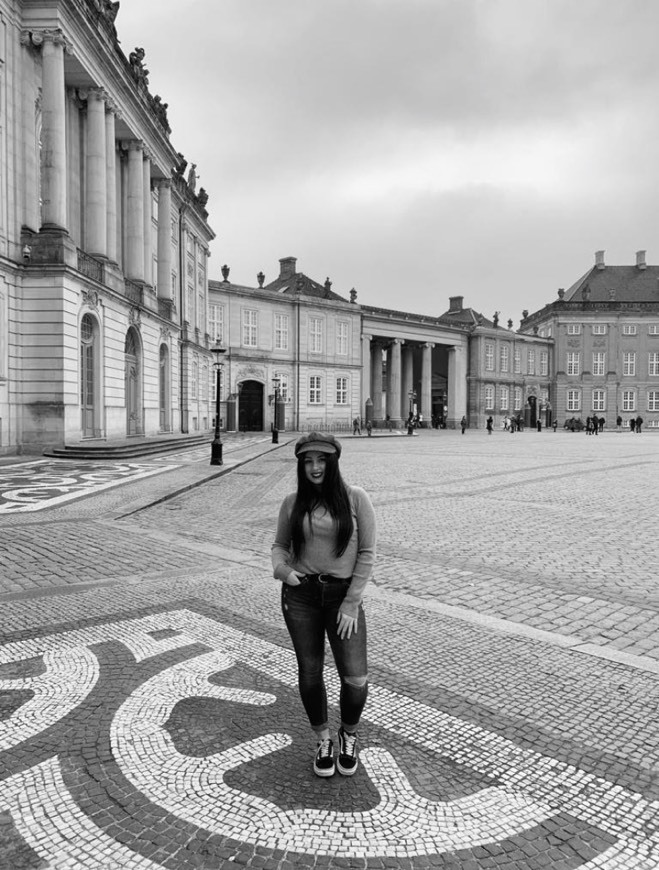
298 294
181 277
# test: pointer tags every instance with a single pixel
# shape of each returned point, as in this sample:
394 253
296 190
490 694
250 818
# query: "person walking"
489 425
323 552
639 423
463 424
357 426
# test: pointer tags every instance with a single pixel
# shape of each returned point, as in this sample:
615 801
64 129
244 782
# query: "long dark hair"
332 494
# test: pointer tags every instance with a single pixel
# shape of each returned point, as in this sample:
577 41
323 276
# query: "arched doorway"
89 377
250 412
164 391
133 382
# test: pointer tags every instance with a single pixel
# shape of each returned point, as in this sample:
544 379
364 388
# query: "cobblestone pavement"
148 706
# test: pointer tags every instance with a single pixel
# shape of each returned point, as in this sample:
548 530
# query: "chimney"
455 303
640 260
287 268
599 260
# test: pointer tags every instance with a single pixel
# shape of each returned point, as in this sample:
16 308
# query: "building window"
530 363
489 357
653 364
653 329
342 338
628 400
284 391
629 329
518 399
574 329
489 398
599 359
629 363
342 391
599 329
544 362
517 361
194 380
314 390
505 398
653 400
281 331
599 400
573 363
315 335
504 360
250 321
573 402
216 323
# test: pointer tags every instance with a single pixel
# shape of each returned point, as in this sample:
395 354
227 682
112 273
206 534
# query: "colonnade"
400 376
100 204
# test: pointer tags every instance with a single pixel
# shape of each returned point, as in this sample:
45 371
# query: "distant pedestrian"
357 426
489 425
639 423
632 423
538 424
554 425
369 428
619 422
601 421
463 424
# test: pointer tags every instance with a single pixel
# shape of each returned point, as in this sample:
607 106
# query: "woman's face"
315 465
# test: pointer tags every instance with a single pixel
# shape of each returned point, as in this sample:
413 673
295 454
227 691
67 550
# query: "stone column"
394 381
148 224
96 215
366 374
135 213
111 183
165 238
457 385
53 130
407 380
376 368
426 381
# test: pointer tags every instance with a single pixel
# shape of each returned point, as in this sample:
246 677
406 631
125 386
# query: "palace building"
104 240
605 331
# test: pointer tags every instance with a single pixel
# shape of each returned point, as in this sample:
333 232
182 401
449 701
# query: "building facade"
103 240
605 330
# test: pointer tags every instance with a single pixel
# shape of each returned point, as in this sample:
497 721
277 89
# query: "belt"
324 578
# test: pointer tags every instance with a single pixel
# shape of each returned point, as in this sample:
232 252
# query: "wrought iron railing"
134 292
91 267
166 308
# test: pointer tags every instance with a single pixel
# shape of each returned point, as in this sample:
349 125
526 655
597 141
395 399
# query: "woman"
323 553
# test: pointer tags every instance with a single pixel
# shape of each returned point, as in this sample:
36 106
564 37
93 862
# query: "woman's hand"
293 578
347 624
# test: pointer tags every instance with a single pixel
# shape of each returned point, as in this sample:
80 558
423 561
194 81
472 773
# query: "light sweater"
318 557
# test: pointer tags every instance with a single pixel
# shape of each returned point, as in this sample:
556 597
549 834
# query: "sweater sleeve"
281 548
366 539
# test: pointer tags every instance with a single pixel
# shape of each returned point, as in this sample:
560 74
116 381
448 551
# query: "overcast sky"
415 149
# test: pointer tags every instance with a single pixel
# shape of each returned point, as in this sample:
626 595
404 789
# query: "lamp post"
275 425
216 446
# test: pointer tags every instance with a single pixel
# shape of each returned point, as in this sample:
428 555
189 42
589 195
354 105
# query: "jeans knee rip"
356 682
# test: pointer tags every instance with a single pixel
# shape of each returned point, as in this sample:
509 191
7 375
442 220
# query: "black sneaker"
347 761
323 763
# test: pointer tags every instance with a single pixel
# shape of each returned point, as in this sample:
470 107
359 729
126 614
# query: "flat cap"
320 441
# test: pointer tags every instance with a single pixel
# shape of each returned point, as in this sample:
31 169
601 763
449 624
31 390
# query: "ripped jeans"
310 612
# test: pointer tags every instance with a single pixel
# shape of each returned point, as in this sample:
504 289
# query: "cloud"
414 148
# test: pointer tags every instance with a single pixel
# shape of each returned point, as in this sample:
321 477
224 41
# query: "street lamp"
275 425
216 446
